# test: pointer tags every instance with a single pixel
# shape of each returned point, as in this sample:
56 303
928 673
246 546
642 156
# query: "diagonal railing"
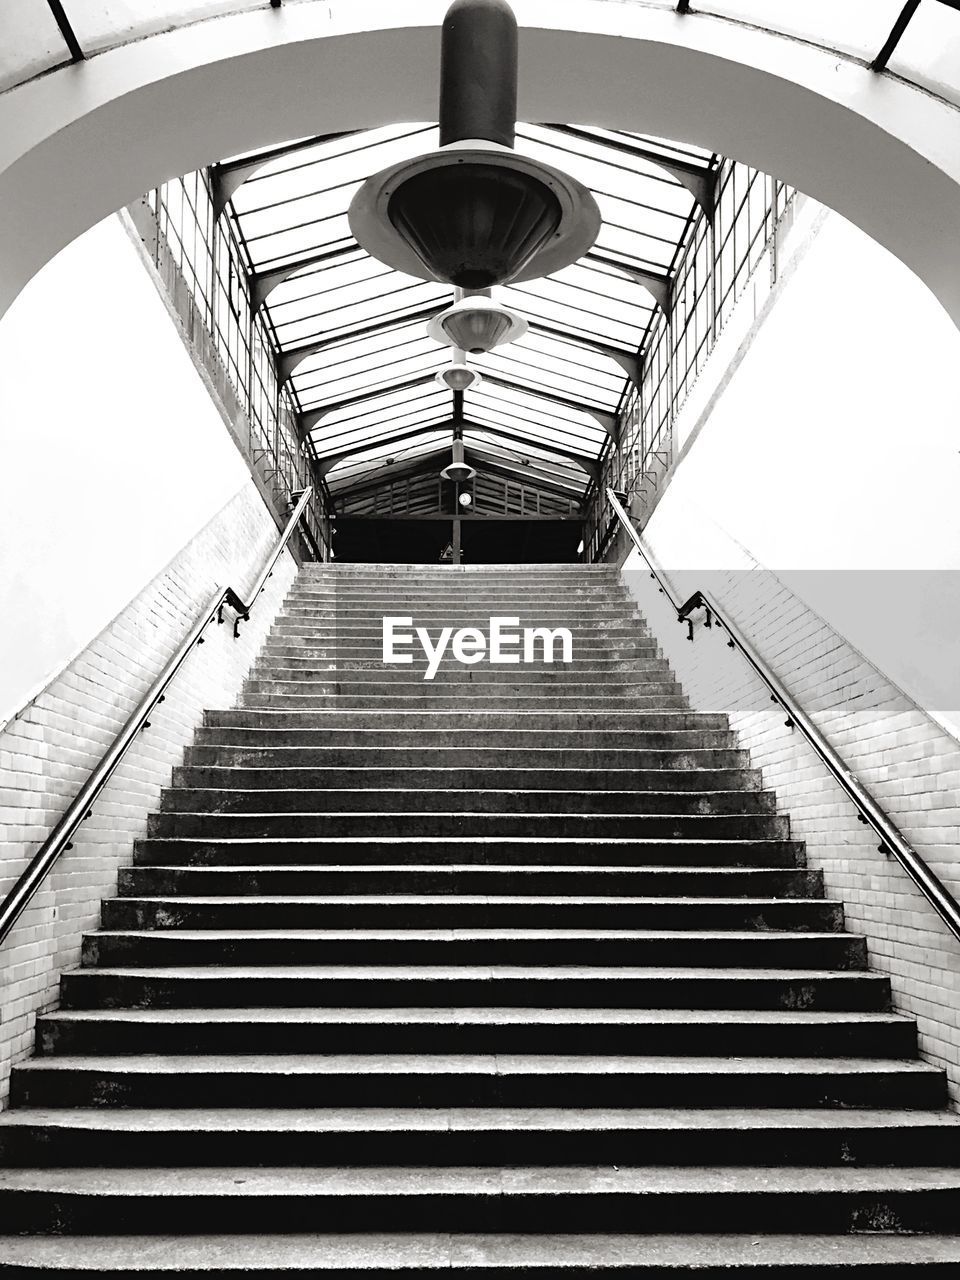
892 840
80 808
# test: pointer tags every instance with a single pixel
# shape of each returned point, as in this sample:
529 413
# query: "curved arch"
82 141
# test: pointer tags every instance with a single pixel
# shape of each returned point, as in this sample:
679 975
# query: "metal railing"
60 839
892 841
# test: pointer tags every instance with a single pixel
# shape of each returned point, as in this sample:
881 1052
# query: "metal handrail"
80 808
869 811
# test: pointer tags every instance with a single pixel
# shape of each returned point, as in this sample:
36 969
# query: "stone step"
298 652
443 777
474 946
627 720
443 731
480 855
454 680
636 1032
570 613
450 911
467 1080
644 802
324 629
459 986
319 760
247 1199
660 884
449 671
424 696
542 823
490 1136
504 1257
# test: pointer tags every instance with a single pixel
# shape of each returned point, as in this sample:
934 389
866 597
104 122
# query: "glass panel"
30 41
100 24
929 50
852 26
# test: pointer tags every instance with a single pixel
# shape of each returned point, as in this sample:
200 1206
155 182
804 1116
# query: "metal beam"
657 283
288 361
262 283
227 177
524 475
628 361
893 39
590 465
383 475
310 419
701 183
326 462
67 31
461 515
606 417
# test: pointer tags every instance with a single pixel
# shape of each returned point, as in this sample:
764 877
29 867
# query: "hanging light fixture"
477 324
458 469
457 375
474 213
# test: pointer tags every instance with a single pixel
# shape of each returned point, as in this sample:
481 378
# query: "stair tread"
242 1181
460 899
479 935
481 972
265 1119
481 1016
282 1064
687 1253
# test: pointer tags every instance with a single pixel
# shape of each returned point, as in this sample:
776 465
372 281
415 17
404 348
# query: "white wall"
832 457
112 455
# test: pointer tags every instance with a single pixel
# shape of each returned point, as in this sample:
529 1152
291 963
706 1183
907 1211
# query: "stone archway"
82 141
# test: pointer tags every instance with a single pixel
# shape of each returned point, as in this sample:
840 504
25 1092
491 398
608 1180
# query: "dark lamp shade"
472 224
477 329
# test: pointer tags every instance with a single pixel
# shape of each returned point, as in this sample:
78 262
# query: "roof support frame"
658 284
263 283
606 417
522 475
310 419
294 356
700 182
629 361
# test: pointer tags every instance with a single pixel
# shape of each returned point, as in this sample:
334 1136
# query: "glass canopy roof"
38 35
352 332
354 349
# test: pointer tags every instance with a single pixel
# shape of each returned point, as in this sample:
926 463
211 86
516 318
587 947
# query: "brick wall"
49 749
909 762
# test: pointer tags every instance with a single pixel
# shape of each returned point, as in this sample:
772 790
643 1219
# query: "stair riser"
212 826
375 671
621 729
60 1147
467 738
423 698
115 1088
218 802
529 684
891 1040
159 881
296 656
764 950
797 915
321 629
795 1213
316 762
89 989
442 778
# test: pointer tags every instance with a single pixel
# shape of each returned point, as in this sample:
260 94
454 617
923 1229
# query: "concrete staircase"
515 971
